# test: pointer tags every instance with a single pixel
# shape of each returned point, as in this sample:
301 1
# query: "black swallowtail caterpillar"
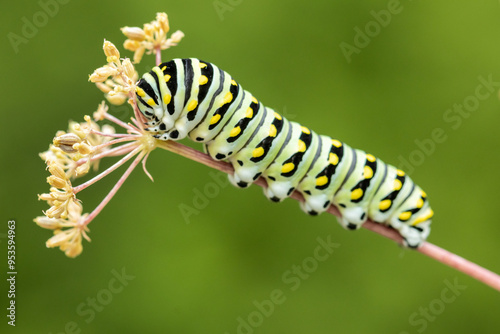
192 98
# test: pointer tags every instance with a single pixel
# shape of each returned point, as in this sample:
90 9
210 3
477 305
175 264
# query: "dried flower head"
152 38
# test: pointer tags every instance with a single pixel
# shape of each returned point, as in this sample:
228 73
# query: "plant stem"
120 123
113 191
158 55
469 268
120 162
139 118
125 137
450 259
119 150
144 167
113 135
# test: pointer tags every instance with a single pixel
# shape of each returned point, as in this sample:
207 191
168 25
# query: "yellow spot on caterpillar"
192 105
333 159
234 83
164 68
423 218
257 152
235 131
420 203
203 65
370 158
400 172
203 80
321 181
215 119
287 168
367 172
405 216
228 98
302 146
151 102
356 194
249 113
424 194
384 205
397 184
167 77
336 143
140 91
167 98
305 130
254 100
272 131
277 116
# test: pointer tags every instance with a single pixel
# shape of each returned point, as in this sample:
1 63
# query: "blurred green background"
216 272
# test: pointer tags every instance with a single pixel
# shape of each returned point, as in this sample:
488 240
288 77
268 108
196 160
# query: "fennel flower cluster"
78 150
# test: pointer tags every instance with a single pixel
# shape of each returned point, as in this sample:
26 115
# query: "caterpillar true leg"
192 98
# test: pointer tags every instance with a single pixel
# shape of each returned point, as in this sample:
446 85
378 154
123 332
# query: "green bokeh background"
201 276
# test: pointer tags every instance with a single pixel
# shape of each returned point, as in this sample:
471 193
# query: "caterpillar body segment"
195 99
259 152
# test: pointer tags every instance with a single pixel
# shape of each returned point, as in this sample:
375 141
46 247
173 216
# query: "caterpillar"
195 99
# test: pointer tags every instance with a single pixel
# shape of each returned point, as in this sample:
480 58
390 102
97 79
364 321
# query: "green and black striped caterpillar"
192 98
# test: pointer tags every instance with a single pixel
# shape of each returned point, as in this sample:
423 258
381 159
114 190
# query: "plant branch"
439 254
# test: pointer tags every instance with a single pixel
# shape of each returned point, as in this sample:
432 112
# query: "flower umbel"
73 152
71 155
